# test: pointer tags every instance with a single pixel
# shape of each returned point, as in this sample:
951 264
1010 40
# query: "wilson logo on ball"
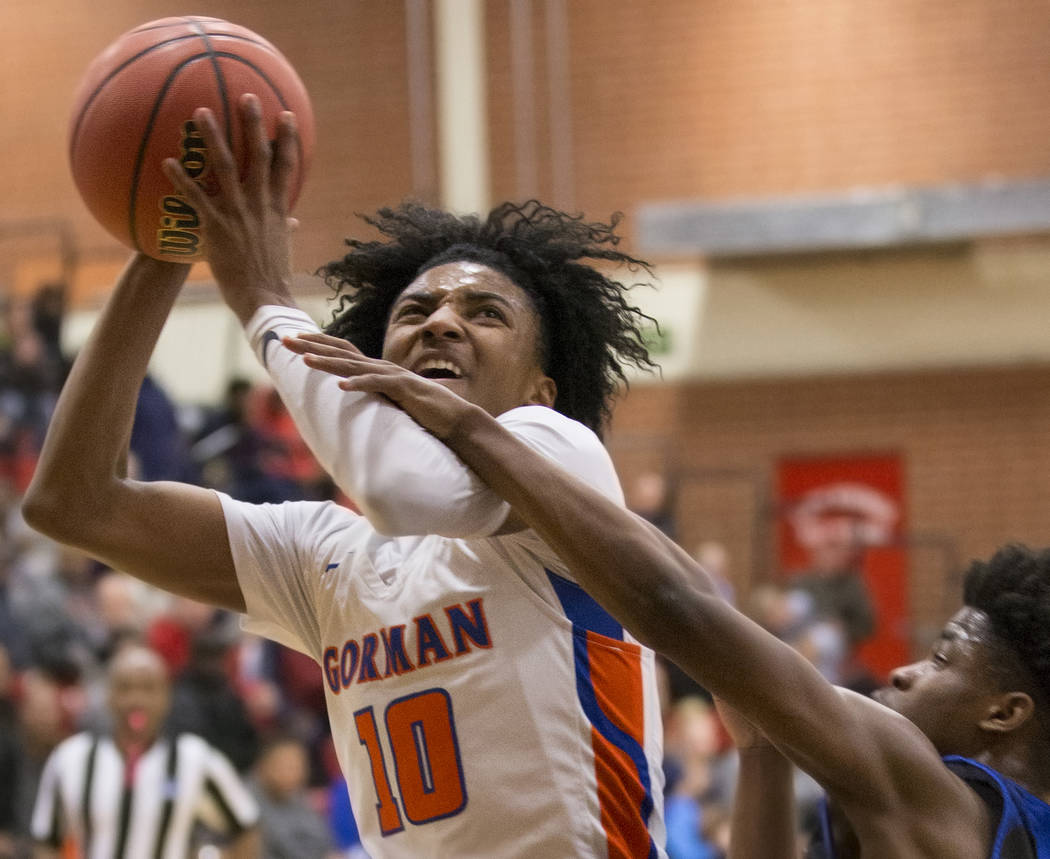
179 233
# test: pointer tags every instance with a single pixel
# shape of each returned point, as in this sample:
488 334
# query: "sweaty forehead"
464 279
969 626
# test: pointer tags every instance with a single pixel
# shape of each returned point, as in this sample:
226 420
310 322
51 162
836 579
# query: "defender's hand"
429 403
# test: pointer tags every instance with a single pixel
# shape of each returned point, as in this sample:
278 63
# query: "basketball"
134 106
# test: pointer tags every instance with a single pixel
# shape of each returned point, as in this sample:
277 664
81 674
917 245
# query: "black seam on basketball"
273 88
220 80
130 60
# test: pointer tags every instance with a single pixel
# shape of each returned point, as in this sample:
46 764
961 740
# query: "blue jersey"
1024 819
1023 828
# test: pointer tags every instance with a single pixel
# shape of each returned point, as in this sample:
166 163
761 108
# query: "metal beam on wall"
856 219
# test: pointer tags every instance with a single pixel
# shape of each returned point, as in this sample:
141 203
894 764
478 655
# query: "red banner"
839 527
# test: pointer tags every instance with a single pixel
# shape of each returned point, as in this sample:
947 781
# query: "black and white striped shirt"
86 794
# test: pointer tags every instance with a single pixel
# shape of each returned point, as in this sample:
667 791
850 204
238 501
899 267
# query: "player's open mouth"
438 368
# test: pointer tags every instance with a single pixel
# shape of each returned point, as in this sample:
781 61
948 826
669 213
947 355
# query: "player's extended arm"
168 534
861 752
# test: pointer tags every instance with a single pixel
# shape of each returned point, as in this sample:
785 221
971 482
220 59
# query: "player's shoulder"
553 434
546 418
570 444
302 516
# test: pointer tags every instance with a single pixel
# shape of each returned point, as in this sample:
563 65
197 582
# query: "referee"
136 794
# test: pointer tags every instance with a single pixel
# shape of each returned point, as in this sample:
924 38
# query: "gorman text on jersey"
390 652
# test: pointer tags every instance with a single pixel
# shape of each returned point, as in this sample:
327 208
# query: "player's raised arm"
169 534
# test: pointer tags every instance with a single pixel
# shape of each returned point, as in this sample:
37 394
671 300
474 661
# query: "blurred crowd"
63 615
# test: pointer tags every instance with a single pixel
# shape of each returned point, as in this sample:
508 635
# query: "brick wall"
720 98
667 99
974 446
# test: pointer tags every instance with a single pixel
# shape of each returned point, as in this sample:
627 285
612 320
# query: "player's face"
950 691
473 330
138 694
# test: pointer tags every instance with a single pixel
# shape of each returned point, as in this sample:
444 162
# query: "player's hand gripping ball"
134 108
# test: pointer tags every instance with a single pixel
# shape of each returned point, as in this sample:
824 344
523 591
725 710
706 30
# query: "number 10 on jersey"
422 738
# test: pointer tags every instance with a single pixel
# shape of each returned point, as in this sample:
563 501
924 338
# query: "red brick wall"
669 99
719 98
974 446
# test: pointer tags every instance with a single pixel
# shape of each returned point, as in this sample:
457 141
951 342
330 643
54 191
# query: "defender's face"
948 693
475 331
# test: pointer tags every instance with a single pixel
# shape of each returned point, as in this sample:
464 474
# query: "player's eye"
408 310
489 311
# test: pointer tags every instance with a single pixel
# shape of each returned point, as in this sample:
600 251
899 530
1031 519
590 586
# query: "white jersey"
482 704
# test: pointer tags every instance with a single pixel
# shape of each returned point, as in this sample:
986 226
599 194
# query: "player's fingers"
336 366
220 158
321 350
258 167
188 188
371 383
308 340
285 161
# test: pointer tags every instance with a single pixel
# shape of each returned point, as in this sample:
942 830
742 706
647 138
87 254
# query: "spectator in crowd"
172 632
47 713
9 759
651 496
157 440
700 785
205 701
290 827
341 820
91 783
837 528
228 449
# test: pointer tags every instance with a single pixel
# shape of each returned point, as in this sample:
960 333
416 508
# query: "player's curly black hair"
1013 589
589 329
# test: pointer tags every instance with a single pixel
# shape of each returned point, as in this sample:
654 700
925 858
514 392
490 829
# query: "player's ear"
544 392
1008 712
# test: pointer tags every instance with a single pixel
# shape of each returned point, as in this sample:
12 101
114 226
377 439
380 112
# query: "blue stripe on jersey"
587 616
581 608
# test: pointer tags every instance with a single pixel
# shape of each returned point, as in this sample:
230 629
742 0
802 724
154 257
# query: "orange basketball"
134 107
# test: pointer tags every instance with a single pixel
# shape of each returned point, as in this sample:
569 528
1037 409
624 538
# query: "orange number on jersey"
389 816
423 741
